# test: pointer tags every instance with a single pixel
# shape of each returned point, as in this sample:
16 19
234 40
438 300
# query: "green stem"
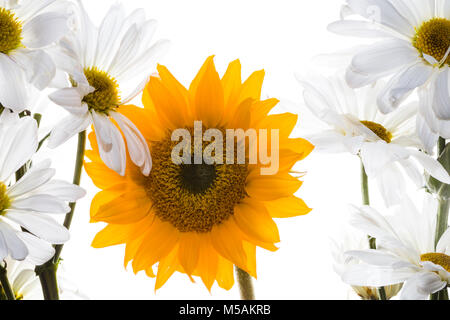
5 284
48 279
245 284
441 222
47 272
366 202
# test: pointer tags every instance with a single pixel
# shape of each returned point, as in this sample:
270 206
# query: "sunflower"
198 219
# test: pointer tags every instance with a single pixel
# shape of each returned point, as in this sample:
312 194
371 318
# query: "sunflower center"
10 31
433 38
106 95
5 202
379 130
440 259
193 197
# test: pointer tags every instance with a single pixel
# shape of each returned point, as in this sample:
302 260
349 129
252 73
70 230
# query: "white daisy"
405 252
23 280
27 28
413 51
108 61
26 284
351 240
26 202
385 142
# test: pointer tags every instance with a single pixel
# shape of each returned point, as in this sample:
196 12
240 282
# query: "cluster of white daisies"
51 49
391 107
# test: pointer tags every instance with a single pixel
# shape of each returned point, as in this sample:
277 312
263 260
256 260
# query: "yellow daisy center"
106 95
193 197
10 31
440 259
5 202
379 130
433 38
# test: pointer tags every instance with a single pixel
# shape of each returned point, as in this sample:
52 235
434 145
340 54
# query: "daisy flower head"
27 29
25 284
23 280
108 66
27 203
352 240
406 251
387 143
413 50
199 218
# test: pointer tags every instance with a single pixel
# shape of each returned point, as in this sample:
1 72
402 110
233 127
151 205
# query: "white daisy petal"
433 167
12 81
441 105
67 128
23 279
18 145
420 286
44 29
113 153
62 190
41 203
40 225
398 89
136 143
40 251
30 181
357 28
384 12
383 56
16 247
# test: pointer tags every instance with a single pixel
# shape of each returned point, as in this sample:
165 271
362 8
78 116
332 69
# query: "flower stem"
442 221
5 284
245 284
47 272
366 202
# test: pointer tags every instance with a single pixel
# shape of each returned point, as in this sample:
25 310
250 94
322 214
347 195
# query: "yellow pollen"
193 197
10 31
106 95
433 38
440 259
379 130
5 202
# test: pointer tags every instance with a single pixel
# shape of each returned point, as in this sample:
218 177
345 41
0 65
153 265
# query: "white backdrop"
278 36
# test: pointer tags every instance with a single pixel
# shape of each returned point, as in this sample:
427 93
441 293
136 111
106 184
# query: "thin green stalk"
47 272
441 222
5 284
49 281
245 284
366 202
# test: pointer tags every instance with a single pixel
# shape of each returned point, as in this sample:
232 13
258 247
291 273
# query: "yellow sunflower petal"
189 251
267 188
287 207
225 274
129 207
158 243
102 176
250 251
260 110
254 220
169 107
207 264
232 85
166 267
209 97
226 239
251 88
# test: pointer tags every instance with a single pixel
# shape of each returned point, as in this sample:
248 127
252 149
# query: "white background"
281 37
